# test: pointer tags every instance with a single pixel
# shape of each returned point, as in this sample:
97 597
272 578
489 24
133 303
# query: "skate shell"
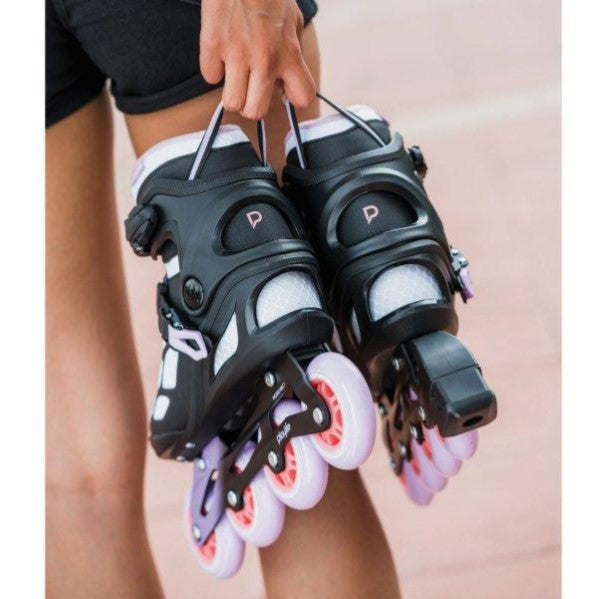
303 482
350 438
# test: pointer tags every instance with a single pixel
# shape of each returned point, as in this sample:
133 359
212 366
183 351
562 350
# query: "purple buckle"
459 264
177 339
467 290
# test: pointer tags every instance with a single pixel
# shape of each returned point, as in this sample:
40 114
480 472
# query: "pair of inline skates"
251 304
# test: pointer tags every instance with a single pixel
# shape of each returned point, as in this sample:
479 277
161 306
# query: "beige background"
476 84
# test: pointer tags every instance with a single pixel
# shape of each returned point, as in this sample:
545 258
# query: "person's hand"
254 44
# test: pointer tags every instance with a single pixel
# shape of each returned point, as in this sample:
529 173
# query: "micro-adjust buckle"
140 225
187 341
459 264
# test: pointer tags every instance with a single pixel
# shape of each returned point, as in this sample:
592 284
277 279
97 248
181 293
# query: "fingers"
259 93
211 65
236 86
298 84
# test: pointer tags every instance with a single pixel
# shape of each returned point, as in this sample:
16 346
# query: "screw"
318 415
197 533
201 464
421 413
396 363
273 459
403 450
232 498
413 431
455 251
270 379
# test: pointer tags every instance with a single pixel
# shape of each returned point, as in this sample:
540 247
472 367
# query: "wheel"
431 477
347 443
462 446
260 522
444 462
222 553
302 483
415 487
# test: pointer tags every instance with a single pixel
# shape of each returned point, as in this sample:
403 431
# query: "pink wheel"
447 464
302 483
462 446
349 440
431 477
260 522
412 481
222 554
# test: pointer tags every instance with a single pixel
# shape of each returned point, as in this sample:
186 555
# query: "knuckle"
233 104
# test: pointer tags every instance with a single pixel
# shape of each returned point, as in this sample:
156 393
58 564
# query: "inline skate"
390 278
248 388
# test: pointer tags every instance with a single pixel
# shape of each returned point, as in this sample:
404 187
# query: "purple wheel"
260 522
431 477
347 443
412 481
222 553
462 446
444 462
302 483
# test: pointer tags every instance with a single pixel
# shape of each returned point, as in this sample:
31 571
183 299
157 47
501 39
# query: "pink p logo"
370 213
254 217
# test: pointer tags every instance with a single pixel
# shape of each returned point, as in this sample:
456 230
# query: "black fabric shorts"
147 48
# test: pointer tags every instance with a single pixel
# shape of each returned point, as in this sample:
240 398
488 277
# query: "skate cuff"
182 145
330 125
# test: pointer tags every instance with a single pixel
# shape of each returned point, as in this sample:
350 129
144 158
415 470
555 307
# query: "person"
253 50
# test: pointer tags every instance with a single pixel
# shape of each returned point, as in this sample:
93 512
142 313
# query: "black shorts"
147 48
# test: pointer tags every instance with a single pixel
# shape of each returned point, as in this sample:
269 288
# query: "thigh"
91 363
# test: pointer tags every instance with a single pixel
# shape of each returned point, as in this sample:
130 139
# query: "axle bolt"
269 379
232 498
403 450
421 413
318 416
273 459
197 533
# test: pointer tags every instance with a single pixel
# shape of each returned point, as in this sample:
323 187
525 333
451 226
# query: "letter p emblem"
254 217
370 213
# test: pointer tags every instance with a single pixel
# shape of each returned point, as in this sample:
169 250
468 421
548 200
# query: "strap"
209 136
348 114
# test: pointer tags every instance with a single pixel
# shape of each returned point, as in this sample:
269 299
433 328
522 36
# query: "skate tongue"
231 150
334 137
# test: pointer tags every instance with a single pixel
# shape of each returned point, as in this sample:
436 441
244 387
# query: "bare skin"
96 544
96 414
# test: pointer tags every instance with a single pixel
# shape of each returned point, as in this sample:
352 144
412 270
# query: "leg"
96 425
306 542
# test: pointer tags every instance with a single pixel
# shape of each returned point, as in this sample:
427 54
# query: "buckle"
187 341
459 264
179 339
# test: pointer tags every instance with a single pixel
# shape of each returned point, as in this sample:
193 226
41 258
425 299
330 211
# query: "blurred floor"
476 84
